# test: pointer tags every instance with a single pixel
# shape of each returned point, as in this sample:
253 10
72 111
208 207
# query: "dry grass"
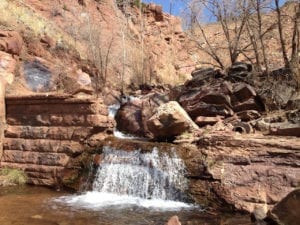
19 16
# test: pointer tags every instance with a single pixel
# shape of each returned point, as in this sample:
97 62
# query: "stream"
32 205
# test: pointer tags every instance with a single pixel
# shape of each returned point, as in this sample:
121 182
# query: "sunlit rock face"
45 133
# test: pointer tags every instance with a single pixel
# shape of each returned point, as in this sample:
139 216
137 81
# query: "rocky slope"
97 37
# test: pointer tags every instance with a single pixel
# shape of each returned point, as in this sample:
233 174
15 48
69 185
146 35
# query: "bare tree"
232 15
257 29
280 30
295 60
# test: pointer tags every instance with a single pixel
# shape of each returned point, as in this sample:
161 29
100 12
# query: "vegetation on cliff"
10 177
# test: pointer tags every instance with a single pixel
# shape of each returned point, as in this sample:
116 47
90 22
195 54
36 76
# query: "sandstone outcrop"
7 68
132 117
247 171
169 121
45 133
174 220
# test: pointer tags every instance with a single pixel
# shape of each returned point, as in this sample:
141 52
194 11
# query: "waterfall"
146 179
144 175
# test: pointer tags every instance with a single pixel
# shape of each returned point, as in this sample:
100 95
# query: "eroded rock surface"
248 172
45 134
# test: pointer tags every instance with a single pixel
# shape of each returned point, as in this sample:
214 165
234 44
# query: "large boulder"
133 115
169 121
287 211
37 74
210 100
77 82
129 118
244 98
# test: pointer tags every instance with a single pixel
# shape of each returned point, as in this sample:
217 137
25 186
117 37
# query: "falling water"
144 175
151 180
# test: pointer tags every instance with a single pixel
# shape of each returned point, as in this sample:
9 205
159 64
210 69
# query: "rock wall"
44 133
250 172
2 115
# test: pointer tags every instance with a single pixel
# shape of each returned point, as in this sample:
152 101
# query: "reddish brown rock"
203 121
97 159
248 172
250 104
132 117
280 123
129 118
11 42
169 121
248 115
242 92
174 220
80 83
46 133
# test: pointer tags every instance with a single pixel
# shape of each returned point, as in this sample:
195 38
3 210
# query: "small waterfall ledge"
126 178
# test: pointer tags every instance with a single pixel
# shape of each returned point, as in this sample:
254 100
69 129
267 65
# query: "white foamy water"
99 200
150 180
113 109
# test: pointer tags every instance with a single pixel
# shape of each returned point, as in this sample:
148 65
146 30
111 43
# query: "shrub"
12 176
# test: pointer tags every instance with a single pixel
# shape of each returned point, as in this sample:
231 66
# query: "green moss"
12 176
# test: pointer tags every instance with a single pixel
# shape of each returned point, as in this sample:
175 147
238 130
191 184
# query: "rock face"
170 120
7 67
11 42
249 171
287 211
44 134
174 220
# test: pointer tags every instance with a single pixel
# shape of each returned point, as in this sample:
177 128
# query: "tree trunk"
282 41
295 48
2 115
